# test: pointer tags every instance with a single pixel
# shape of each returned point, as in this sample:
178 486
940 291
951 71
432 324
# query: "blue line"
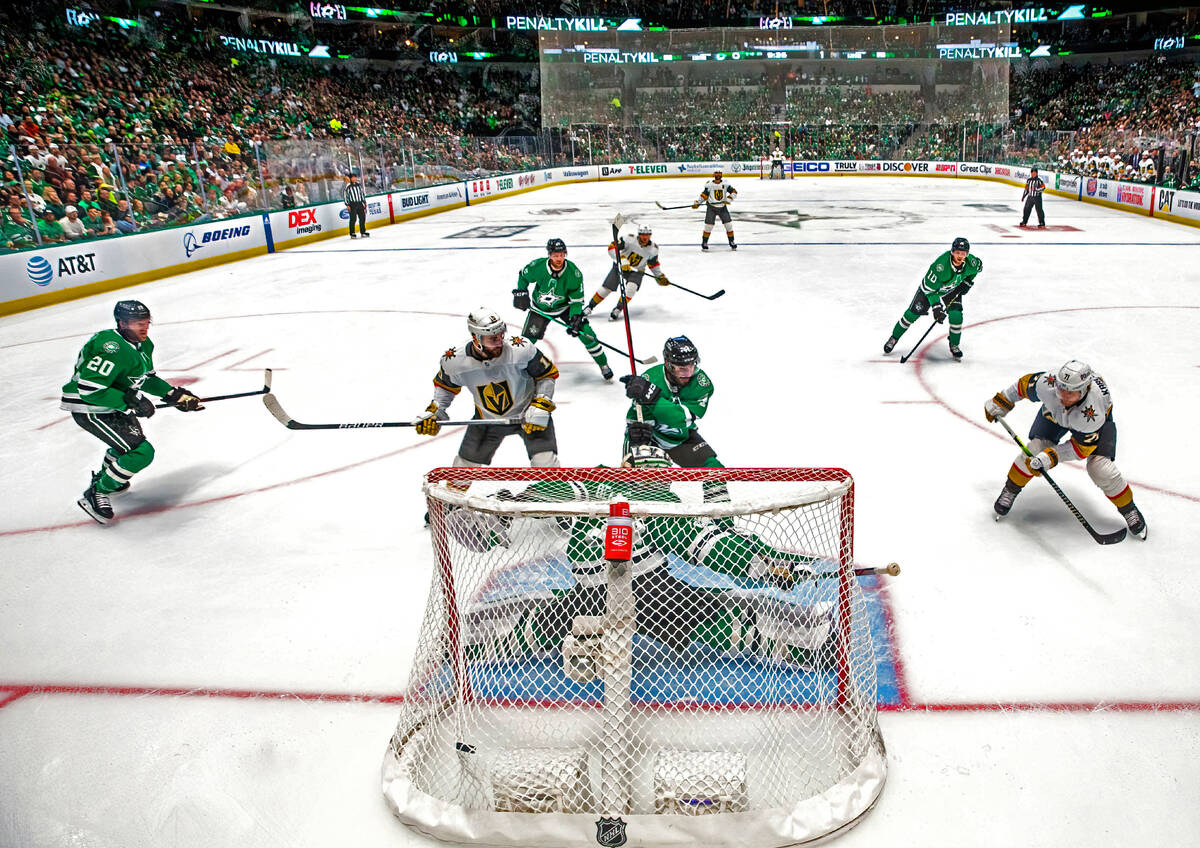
534 246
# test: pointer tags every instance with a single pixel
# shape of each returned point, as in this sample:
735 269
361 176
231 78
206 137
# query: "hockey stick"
669 208
650 360
266 388
1102 538
696 293
908 355
272 405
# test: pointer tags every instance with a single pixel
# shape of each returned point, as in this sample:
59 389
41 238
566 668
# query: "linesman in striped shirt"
1033 198
356 202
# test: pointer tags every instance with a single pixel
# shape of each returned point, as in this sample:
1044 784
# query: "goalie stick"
272 405
1102 538
264 390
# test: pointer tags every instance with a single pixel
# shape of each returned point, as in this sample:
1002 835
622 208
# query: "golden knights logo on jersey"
496 398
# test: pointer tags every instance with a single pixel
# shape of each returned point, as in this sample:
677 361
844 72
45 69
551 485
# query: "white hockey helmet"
646 456
1075 376
485 322
644 230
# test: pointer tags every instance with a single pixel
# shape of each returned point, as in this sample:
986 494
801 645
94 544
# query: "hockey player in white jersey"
777 163
1075 400
717 195
508 378
635 256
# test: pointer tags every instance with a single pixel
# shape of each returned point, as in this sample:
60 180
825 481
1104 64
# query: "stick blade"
272 405
1110 538
715 296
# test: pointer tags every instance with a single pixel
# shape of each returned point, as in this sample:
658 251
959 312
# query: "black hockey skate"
96 505
956 351
616 314
732 245
606 372
1007 495
1135 520
704 245
890 344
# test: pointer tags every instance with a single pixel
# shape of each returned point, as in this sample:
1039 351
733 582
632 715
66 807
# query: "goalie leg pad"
541 780
698 783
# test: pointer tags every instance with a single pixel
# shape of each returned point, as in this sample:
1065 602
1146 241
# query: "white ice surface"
274 562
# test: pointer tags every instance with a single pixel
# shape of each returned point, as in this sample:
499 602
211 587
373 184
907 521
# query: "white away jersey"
638 257
502 387
1083 420
717 194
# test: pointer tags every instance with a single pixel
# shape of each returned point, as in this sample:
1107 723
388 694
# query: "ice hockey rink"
221 667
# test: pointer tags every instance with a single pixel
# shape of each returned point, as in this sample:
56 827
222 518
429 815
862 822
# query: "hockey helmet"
644 230
556 245
960 243
1075 376
646 456
680 350
485 322
131 310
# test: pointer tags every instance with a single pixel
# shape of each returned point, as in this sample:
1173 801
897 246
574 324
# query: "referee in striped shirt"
1033 198
356 202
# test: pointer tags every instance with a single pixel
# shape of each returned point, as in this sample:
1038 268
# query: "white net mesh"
727 669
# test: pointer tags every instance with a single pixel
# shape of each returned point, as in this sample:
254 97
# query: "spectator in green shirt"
51 231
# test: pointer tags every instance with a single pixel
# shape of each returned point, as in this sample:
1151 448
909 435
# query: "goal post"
717 689
768 169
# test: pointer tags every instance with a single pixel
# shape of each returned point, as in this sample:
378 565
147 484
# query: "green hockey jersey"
675 413
942 278
107 367
553 293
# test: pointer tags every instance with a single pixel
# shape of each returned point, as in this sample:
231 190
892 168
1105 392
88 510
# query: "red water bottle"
618 532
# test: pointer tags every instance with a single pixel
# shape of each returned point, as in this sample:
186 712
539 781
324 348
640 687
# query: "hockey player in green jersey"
948 279
673 397
105 397
670 610
557 293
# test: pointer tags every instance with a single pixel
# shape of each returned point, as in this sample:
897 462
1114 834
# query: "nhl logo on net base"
610 832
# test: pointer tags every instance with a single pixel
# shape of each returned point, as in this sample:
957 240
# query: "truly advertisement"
845 167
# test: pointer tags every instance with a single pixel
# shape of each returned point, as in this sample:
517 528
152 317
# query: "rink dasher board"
40 277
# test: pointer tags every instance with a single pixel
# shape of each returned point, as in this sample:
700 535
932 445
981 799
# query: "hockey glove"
997 407
139 404
639 433
640 390
939 313
427 422
625 267
520 299
1043 461
662 280
537 414
575 324
183 400
696 204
